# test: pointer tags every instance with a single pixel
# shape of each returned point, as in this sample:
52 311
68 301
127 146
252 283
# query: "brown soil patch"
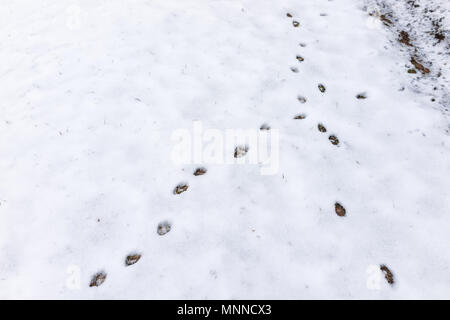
385 20
404 38
419 66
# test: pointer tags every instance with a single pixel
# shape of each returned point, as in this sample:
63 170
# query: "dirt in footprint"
164 228
321 128
182 187
132 259
98 279
334 140
301 99
361 96
240 151
200 171
387 274
300 116
340 210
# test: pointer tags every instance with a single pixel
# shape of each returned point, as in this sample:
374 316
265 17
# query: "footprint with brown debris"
321 128
164 228
322 88
98 279
295 23
200 171
132 259
300 116
387 274
301 99
288 15
182 187
240 151
300 58
334 140
362 95
340 210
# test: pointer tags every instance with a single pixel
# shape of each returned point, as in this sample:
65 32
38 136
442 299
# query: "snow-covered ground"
92 93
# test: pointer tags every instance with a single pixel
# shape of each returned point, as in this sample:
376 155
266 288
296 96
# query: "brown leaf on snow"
419 66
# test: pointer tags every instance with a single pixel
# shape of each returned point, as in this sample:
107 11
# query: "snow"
92 92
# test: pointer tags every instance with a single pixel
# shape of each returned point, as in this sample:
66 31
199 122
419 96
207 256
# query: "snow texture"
93 90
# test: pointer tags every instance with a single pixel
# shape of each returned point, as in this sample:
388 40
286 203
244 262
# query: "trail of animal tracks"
92 205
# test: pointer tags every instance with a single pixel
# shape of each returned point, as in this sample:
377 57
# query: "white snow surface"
89 102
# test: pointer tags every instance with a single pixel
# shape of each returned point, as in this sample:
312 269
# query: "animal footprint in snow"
288 15
200 171
240 151
132 259
294 69
321 128
301 99
264 126
322 88
182 187
295 23
340 210
334 140
387 274
300 58
98 279
362 95
300 116
163 228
